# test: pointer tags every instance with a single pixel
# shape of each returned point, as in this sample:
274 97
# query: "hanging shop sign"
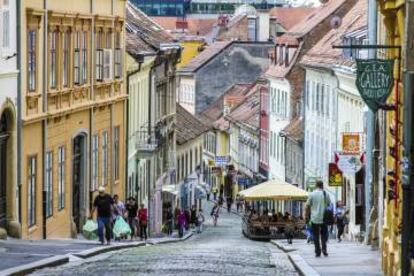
222 160
348 163
375 81
351 143
335 175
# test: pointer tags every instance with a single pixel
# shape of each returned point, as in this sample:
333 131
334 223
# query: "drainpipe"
149 163
19 110
92 97
407 235
44 122
372 37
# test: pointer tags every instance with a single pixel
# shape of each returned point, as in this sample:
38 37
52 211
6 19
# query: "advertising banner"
335 176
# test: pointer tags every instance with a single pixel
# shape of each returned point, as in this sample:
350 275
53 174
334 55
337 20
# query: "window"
31 55
6 24
116 153
61 178
31 185
307 93
49 184
66 59
99 57
84 57
95 156
104 157
53 59
118 55
76 60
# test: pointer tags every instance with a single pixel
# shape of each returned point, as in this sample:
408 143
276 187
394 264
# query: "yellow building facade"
73 111
391 32
191 47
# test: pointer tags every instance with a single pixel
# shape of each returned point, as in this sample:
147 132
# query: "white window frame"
49 183
31 60
31 186
95 161
53 59
104 158
61 177
66 58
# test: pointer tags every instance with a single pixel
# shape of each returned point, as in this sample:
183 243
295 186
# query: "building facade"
9 212
73 111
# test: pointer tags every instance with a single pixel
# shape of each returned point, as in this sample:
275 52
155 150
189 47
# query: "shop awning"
274 190
171 189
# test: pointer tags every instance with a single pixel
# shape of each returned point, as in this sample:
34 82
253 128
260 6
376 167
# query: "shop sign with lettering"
375 81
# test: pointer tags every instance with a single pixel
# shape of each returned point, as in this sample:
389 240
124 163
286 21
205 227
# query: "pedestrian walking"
118 211
193 218
229 203
131 209
143 221
319 216
181 222
340 218
221 200
103 203
170 221
187 214
215 213
238 202
200 221
215 193
208 195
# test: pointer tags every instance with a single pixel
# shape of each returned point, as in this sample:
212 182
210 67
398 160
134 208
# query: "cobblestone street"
220 250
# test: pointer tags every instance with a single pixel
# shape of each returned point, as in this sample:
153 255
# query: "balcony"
146 144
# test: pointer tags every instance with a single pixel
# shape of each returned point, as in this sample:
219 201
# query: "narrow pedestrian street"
220 250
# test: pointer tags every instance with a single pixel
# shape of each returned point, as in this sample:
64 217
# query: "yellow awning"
274 190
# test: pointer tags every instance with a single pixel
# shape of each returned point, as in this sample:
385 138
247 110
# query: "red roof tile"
188 127
323 54
196 26
294 130
289 17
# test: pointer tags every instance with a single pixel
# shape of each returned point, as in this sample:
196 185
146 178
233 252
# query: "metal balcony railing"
146 141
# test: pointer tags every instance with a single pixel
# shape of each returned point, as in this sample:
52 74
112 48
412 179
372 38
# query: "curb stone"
281 246
302 266
172 240
28 268
105 248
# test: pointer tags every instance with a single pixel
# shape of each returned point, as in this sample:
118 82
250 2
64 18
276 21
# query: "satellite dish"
336 22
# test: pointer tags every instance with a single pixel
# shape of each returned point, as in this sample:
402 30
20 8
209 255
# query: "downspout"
111 107
44 109
407 234
372 37
92 97
19 109
149 163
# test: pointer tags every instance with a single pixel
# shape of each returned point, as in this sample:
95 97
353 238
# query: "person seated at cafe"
274 216
254 215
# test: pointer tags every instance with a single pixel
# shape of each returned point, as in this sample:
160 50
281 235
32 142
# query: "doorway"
78 181
4 135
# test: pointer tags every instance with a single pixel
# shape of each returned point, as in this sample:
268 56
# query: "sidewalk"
23 256
345 258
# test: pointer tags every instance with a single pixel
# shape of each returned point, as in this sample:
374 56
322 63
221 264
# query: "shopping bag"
121 228
89 230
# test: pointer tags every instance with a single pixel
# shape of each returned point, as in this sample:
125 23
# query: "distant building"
162 7
229 6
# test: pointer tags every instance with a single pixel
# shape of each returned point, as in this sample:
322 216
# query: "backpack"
328 215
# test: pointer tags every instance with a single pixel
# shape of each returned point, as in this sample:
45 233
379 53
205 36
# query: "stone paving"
220 250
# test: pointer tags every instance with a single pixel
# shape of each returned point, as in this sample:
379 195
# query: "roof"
315 18
294 130
188 127
248 112
288 16
143 35
206 55
195 26
323 54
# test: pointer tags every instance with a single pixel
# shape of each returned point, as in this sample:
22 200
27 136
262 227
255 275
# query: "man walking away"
132 208
170 221
193 217
316 207
229 203
143 221
103 202
200 221
181 222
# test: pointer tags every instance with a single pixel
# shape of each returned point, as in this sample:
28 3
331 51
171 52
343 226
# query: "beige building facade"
73 111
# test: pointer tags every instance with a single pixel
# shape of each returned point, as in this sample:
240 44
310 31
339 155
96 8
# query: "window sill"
32 228
33 94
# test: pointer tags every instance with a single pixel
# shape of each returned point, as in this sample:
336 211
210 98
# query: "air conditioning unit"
108 64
